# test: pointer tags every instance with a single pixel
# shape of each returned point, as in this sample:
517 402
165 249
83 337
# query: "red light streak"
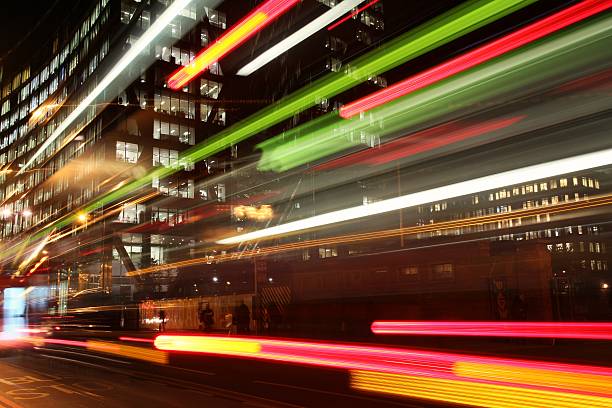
354 13
419 142
559 330
477 56
136 339
585 379
254 22
37 266
63 342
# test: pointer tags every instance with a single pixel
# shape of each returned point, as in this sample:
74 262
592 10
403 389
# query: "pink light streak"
477 56
558 330
354 13
420 142
387 360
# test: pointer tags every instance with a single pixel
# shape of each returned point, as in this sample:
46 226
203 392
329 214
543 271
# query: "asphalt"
73 377
69 376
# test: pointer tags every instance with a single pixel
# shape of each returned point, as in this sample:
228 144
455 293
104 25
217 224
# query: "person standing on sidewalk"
208 318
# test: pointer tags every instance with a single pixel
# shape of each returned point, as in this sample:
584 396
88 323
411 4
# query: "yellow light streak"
208 345
534 376
444 225
217 50
133 352
470 393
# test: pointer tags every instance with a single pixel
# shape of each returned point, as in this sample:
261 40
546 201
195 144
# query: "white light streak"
156 28
491 182
294 39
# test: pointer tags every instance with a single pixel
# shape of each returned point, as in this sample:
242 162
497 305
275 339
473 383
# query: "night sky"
26 24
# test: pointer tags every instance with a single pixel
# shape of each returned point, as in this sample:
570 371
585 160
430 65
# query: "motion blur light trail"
559 330
513 75
447 27
525 382
353 14
297 37
592 202
470 393
485 183
422 141
132 352
135 50
470 59
117 349
253 23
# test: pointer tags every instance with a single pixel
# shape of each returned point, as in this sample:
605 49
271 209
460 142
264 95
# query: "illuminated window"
371 20
563 182
186 189
189 12
6 106
165 157
210 89
163 130
337 45
410 272
220 117
442 272
133 214
145 20
220 192
216 18
328 252
205 111
127 12
175 29
204 38
333 64
328 3
128 152
215 69
174 104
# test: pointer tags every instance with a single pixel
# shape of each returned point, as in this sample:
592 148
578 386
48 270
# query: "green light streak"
569 51
430 35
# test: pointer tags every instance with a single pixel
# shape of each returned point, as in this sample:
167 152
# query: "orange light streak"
470 393
238 34
445 225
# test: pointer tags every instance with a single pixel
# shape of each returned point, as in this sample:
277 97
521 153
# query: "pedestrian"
208 318
162 320
201 318
243 318
230 322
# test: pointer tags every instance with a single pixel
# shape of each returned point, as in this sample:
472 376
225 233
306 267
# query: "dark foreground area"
51 377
